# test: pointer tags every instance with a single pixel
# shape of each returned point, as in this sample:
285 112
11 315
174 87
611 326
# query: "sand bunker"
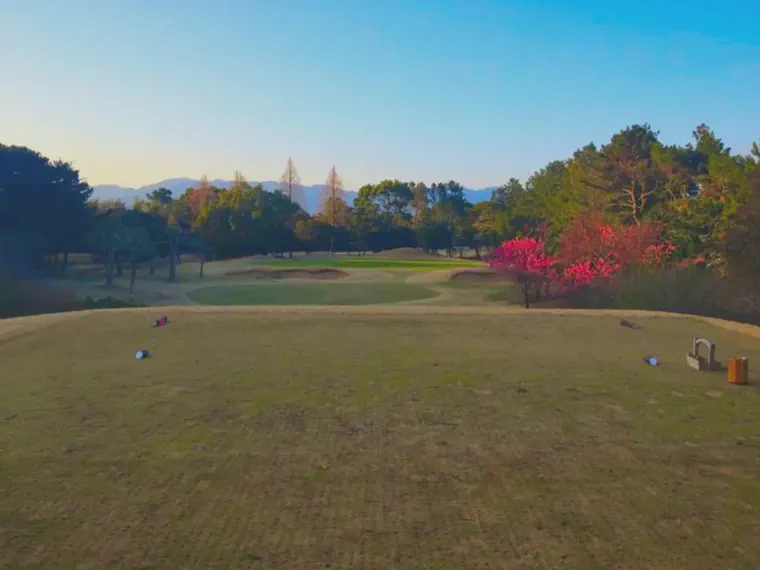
316 273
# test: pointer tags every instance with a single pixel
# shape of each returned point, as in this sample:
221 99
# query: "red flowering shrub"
586 272
592 249
698 261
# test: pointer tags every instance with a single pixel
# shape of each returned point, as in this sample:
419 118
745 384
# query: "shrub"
106 303
23 297
20 298
690 290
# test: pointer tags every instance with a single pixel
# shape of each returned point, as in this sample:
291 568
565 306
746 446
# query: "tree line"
706 198
245 219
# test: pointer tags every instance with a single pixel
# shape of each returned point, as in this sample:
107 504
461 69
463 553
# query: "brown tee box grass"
369 439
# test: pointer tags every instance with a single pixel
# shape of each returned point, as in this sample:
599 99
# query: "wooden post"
738 371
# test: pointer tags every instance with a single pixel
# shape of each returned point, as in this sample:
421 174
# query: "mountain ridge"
179 185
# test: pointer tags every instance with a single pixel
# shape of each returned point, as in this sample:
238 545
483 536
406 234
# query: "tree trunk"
634 203
132 275
526 293
477 253
65 265
173 258
109 267
203 260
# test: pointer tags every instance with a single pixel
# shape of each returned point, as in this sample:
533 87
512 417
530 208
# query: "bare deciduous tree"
239 181
290 185
332 192
200 195
332 196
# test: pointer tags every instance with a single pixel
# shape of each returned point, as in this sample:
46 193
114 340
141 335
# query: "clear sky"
136 91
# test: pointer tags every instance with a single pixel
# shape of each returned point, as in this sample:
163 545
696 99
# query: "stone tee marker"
699 362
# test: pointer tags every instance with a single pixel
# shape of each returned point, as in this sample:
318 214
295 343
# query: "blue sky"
476 91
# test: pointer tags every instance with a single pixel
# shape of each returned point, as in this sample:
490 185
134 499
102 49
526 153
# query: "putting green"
345 262
311 294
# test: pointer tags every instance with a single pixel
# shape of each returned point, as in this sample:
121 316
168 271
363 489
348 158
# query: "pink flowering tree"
526 262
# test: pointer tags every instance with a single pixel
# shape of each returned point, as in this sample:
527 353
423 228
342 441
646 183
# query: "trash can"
738 370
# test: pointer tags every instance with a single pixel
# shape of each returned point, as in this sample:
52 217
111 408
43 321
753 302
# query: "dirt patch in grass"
317 273
363 439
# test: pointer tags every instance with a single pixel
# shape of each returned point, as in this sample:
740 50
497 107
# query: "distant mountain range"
179 185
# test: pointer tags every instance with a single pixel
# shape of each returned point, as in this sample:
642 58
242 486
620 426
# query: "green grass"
489 292
507 294
298 441
349 262
310 294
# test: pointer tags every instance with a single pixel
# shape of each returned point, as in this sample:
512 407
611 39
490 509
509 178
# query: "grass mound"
311 294
478 276
369 441
369 262
409 253
288 273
